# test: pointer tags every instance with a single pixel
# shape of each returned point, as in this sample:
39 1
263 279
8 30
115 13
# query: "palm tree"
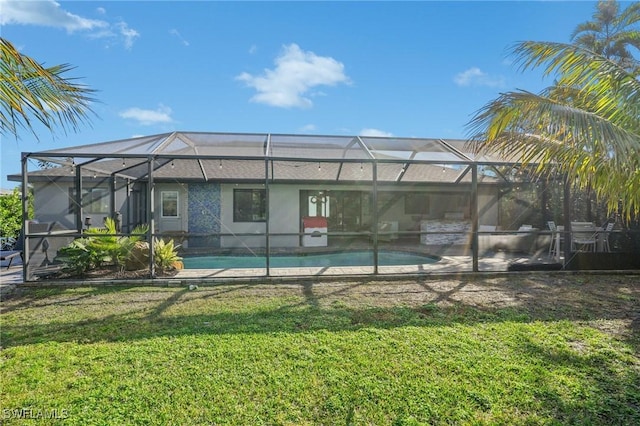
31 93
586 125
612 33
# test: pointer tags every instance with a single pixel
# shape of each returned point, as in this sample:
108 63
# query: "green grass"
404 353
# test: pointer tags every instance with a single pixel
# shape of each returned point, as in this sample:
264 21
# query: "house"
247 191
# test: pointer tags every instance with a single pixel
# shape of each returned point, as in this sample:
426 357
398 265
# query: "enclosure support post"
544 199
474 216
78 200
374 167
112 196
267 217
151 215
566 204
25 216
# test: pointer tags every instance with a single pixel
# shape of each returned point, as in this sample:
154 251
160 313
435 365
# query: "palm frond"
31 93
587 125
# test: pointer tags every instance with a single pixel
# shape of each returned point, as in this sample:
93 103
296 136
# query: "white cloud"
253 49
148 117
308 128
295 74
176 33
476 77
45 13
375 132
48 13
128 34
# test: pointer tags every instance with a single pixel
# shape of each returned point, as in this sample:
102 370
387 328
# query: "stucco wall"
488 206
208 208
51 203
284 215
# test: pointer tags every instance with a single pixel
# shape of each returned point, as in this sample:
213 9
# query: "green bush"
100 247
11 213
165 254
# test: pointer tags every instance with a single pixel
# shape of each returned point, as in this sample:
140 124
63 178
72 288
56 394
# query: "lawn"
541 349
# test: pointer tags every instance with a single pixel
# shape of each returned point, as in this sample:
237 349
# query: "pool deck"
449 264
498 262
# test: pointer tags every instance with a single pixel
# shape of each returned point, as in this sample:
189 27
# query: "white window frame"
177 197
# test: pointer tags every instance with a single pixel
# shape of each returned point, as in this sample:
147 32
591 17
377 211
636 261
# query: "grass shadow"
130 313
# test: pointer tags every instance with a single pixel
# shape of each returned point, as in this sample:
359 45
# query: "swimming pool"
351 258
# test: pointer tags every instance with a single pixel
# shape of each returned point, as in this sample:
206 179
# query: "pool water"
351 258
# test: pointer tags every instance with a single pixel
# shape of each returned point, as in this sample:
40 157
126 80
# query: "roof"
242 156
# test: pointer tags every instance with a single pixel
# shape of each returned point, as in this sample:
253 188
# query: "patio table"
600 234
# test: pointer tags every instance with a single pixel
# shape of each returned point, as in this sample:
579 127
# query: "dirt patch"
110 274
609 302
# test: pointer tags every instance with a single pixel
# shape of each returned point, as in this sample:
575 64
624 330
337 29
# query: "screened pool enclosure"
278 204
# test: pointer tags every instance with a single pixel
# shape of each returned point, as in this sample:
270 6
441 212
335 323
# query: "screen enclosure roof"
204 155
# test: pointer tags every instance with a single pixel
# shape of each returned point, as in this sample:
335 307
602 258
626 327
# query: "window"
169 203
249 205
94 200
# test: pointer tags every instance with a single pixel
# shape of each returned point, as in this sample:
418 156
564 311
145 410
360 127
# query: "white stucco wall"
284 215
488 206
51 203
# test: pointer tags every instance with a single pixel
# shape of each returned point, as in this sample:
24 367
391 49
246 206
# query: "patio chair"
18 249
605 236
7 243
553 244
583 236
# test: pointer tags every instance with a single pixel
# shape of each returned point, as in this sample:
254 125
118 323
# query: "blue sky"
414 69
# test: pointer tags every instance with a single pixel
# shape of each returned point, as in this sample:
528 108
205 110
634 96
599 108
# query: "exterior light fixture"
319 167
173 166
220 163
123 165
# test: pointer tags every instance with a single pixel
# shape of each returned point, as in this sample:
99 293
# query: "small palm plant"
104 243
99 247
165 254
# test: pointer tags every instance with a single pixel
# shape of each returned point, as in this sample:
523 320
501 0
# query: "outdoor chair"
583 236
18 249
553 245
605 236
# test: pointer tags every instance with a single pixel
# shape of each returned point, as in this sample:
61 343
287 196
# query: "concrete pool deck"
498 262
11 278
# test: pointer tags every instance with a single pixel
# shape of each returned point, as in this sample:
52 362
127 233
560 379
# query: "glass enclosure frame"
358 183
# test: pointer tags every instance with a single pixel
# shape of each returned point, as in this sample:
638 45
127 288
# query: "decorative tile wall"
460 229
204 214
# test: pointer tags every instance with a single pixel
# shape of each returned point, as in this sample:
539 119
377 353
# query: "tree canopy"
612 33
585 126
30 93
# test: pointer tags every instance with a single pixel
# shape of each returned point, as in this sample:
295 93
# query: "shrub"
100 247
165 255
11 212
